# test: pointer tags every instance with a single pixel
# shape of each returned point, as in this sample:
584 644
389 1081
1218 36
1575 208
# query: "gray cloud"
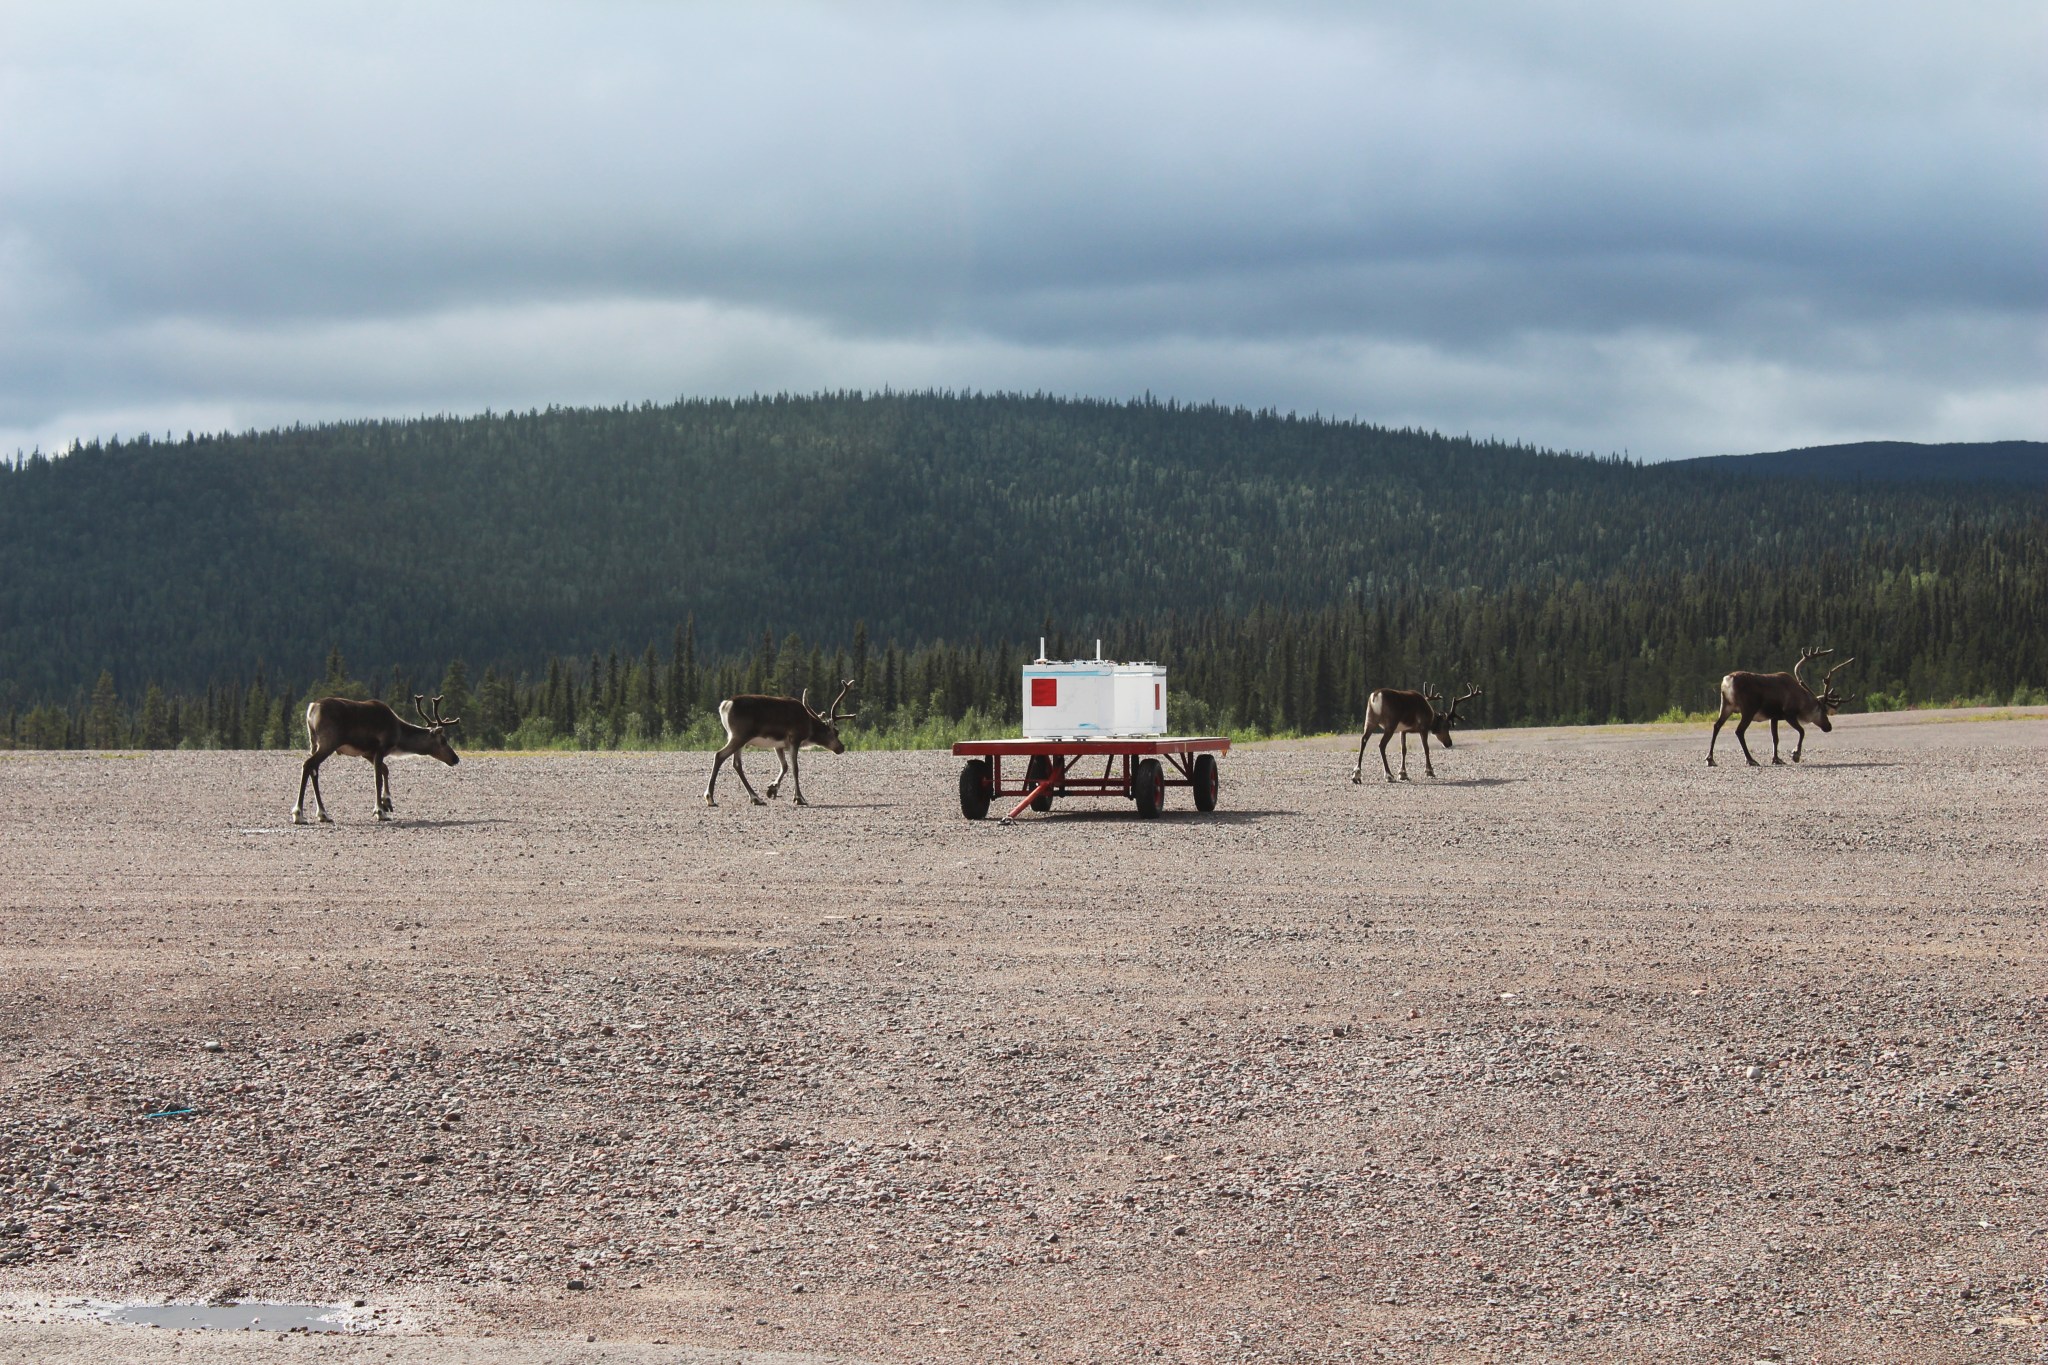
1589 227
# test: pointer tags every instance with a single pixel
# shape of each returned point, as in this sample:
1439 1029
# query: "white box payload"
1093 699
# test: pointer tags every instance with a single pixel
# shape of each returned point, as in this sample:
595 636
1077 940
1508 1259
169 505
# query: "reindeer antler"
845 686
1459 701
443 721
419 704
1804 656
1827 684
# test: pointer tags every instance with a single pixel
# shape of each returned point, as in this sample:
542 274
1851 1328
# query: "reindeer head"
1826 701
438 727
1441 728
825 728
1829 701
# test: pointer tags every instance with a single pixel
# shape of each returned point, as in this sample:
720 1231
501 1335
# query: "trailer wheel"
1206 784
1149 786
975 789
1036 772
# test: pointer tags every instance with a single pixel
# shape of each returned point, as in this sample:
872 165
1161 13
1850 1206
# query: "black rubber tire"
1149 786
1206 784
975 789
1036 772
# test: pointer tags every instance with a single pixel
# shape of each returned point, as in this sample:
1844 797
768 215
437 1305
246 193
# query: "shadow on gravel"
401 822
1190 818
1444 782
1788 765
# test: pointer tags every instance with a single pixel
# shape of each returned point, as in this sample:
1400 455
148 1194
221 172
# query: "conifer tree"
103 728
675 707
255 717
454 690
155 726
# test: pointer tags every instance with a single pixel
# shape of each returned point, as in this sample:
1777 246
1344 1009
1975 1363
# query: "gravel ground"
1582 1050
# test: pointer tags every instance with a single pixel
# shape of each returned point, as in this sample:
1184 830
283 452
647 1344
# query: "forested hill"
1999 462
507 538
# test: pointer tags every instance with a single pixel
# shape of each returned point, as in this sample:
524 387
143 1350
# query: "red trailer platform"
1132 769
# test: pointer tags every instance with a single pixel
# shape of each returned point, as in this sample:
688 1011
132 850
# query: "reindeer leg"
1404 755
1800 730
796 777
1427 770
319 802
310 769
782 755
1386 738
1718 723
1358 768
1774 743
711 787
1741 729
741 774
383 789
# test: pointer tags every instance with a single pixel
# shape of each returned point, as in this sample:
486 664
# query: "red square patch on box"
1045 691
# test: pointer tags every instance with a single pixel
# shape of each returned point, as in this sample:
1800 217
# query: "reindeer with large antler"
1395 711
371 730
787 724
1776 697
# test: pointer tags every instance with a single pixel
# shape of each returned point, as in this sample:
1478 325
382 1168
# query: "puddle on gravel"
232 1317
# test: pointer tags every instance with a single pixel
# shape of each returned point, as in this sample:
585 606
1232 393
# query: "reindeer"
372 730
787 724
1394 711
1776 697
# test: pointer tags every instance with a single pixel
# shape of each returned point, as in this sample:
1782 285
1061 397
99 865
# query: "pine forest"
602 578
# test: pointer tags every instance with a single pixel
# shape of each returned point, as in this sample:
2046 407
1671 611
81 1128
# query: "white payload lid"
1093 699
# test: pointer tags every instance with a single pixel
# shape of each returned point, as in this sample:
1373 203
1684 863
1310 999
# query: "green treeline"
1955 614
528 543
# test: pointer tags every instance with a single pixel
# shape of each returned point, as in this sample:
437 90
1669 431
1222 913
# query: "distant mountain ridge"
506 538
2019 462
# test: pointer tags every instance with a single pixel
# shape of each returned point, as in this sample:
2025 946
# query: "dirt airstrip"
1582 1050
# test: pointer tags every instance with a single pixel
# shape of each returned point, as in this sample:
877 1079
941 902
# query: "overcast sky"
1676 230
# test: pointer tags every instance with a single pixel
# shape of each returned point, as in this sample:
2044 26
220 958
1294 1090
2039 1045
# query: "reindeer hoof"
1711 763
325 818
1777 762
801 802
710 803
1754 764
759 802
298 818
1357 781
1795 758
379 815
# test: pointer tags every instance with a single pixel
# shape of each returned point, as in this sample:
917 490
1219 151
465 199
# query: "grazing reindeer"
1776 697
786 723
1393 711
372 730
